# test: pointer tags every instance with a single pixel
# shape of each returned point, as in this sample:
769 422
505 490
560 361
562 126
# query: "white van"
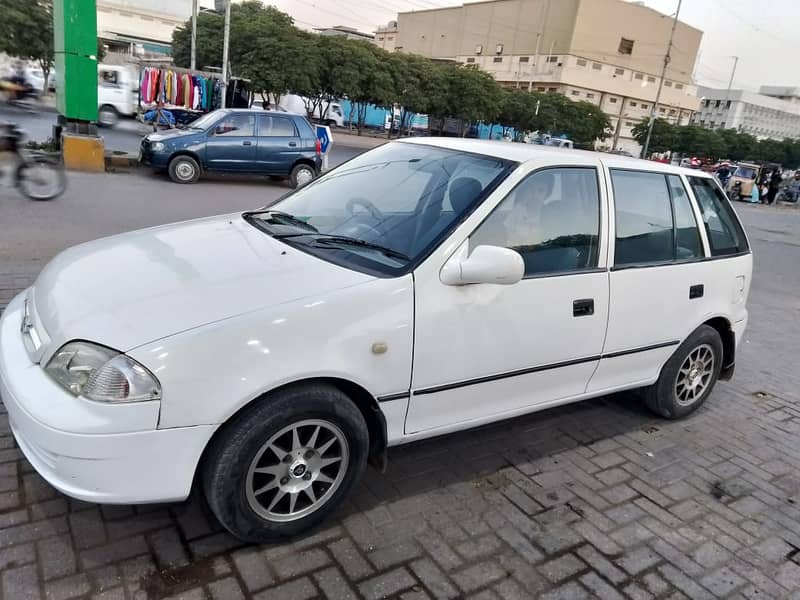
117 93
461 282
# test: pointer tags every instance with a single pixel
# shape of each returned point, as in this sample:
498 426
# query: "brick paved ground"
598 499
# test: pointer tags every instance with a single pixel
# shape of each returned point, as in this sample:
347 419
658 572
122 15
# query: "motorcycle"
18 93
36 175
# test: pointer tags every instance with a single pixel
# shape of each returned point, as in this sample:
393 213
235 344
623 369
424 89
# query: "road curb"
121 160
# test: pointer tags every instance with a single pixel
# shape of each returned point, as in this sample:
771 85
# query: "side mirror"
486 264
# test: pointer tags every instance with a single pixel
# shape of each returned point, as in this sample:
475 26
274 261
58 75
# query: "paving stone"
334 585
252 568
722 582
226 589
347 556
476 576
387 584
69 587
299 589
561 568
394 554
638 560
595 584
433 578
56 556
21 583
301 563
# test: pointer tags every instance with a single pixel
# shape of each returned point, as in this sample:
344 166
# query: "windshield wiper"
276 217
327 239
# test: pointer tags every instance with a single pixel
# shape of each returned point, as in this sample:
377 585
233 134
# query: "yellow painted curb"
83 152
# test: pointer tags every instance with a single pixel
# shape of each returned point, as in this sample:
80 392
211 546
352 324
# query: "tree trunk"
350 119
46 66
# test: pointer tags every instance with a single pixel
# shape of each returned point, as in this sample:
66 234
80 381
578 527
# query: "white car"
424 287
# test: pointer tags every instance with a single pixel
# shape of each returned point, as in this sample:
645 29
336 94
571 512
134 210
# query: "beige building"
607 52
386 37
142 27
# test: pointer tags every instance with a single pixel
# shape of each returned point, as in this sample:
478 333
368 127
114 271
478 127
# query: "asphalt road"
124 137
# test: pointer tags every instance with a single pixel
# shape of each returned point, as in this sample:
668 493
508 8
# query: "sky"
763 33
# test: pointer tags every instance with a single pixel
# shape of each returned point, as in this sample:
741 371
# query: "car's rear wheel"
184 169
688 377
107 116
301 175
282 466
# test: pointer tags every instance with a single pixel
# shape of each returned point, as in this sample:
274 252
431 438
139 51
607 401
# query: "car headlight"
157 146
102 374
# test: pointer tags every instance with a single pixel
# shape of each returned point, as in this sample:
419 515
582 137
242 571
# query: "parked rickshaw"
744 178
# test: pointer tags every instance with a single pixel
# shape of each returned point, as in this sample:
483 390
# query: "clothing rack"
174 87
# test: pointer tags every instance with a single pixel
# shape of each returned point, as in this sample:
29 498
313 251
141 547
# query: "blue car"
238 141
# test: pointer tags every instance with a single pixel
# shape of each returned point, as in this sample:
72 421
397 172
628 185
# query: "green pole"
75 47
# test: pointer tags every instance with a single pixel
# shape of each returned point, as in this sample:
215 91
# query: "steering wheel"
379 226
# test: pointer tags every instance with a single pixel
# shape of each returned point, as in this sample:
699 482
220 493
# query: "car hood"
130 289
171 134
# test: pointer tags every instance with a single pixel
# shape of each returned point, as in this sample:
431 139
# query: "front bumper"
154 465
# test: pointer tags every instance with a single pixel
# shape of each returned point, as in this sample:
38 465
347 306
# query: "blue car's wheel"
184 169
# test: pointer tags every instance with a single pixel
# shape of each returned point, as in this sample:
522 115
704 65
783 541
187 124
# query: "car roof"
523 153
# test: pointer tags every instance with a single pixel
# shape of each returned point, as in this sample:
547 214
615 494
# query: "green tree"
26 31
663 138
473 96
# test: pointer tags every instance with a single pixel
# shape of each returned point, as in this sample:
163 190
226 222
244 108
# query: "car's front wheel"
283 465
689 376
184 169
107 116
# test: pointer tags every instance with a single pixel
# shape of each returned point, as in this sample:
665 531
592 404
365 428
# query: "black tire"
302 174
238 447
107 116
26 177
184 169
663 396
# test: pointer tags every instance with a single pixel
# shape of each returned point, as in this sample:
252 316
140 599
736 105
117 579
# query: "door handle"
583 307
247 143
696 291
293 144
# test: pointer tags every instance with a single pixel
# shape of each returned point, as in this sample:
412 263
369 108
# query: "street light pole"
667 59
225 44
194 35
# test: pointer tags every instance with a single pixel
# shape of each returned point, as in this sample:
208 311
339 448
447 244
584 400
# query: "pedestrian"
774 185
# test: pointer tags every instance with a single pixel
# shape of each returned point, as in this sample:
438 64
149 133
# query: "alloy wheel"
297 470
695 375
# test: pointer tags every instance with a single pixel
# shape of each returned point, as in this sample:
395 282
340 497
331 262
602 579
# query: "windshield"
206 120
745 172
386 209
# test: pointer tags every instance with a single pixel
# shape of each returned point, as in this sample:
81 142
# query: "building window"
702 123
630 124
590 96
722 125
619 71
672 111
471 59
576 93
667 83
524 59
651 79
717 103
390 38
380 38
552 59
644 106
678 86
638 76
497 59
728 104
539 89
612 100
597 66
662 110
625 46
580 62
633 104
552 89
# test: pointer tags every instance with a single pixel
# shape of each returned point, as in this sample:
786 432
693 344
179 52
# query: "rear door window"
724 231
272 126
643 218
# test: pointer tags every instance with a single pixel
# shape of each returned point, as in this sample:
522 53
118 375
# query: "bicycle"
36 175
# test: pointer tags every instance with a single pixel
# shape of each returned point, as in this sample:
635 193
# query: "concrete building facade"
142 27
386 36
607 52
346 32
764 116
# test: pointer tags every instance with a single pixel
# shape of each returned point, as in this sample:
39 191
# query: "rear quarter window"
725 233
